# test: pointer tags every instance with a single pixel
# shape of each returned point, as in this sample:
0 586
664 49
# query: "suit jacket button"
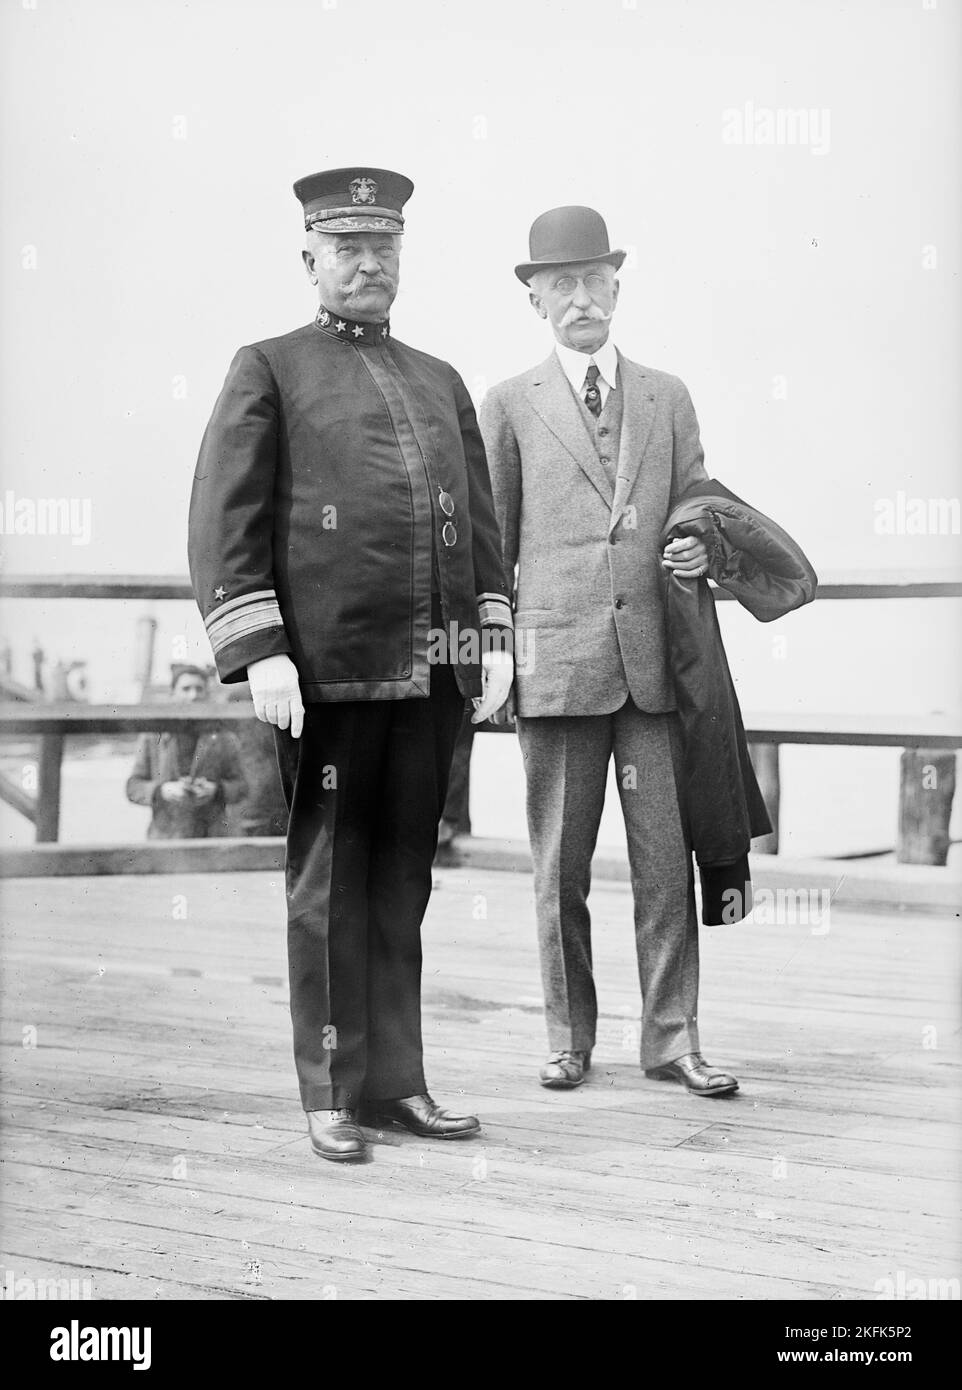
619 603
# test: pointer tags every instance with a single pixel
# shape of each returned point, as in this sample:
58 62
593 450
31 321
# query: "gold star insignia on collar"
220 593
358 331
340 325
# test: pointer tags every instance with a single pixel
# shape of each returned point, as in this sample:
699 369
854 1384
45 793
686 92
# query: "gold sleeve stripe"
494 608
243 622
235 603
220 641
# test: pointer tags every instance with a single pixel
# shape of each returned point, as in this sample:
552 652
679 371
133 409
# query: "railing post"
48 788
764 758
927 786
144 652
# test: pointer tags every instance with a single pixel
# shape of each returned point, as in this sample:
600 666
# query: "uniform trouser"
457 808
566 765
365 784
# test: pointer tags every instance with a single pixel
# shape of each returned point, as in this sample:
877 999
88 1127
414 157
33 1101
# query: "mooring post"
926 790
764 758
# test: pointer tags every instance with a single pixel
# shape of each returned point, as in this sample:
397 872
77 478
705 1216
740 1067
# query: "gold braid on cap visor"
348 220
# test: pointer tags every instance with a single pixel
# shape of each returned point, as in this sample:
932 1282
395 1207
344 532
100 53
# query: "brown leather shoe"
694 1072
563 1071
335 1135
421 1115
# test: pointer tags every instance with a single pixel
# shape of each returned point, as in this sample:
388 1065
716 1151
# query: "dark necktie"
592 394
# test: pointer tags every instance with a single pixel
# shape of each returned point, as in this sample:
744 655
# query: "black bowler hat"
564 236
353 200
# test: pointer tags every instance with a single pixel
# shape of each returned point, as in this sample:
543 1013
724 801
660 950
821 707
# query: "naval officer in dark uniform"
346 559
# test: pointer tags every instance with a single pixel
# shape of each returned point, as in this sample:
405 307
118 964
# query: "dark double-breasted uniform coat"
341 513
314 514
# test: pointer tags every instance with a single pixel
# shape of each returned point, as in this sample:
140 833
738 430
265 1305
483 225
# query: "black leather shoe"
694 1072
421 1115
565 1070
335 1135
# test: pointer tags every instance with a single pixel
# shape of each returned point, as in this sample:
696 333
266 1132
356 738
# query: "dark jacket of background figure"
216 757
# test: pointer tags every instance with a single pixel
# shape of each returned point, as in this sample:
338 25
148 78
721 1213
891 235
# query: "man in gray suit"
587 452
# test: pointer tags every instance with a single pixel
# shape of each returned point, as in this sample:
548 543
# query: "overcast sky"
807 291
148 155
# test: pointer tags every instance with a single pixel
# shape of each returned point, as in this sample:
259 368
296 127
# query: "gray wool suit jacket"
590 590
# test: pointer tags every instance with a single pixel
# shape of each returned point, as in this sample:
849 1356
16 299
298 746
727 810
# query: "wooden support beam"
927 787
764 758
48 788
928 582
150 857
115 586
937 731
15 796
67 717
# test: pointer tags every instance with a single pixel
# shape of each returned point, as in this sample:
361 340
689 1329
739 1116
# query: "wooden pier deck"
153 1144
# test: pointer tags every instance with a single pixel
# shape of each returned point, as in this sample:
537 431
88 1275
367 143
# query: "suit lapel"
552 399
638 413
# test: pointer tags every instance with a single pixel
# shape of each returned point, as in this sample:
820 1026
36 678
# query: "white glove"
497 674
276 692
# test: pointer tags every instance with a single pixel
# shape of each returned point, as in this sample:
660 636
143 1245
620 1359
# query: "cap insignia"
363 191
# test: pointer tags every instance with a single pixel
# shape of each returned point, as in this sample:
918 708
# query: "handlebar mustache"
597 316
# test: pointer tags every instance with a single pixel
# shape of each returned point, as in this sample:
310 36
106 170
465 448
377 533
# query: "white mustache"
596 314
370 283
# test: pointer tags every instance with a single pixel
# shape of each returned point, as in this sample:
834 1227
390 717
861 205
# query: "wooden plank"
14 795
326 1268
66 717
889 730
113 586
151 857
856 730
106 1283
206 1120
765 761
48 788
503 1220
527 1148
516 1199
159 1039
880 584
834 584
926 793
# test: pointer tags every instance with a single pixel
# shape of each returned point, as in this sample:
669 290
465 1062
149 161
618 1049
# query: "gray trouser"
566 765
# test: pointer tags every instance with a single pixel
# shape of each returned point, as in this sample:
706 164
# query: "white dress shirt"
575 367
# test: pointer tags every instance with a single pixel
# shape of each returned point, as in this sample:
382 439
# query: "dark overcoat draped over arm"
750 555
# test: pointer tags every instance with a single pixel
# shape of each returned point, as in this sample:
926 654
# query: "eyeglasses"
449 532
567 284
